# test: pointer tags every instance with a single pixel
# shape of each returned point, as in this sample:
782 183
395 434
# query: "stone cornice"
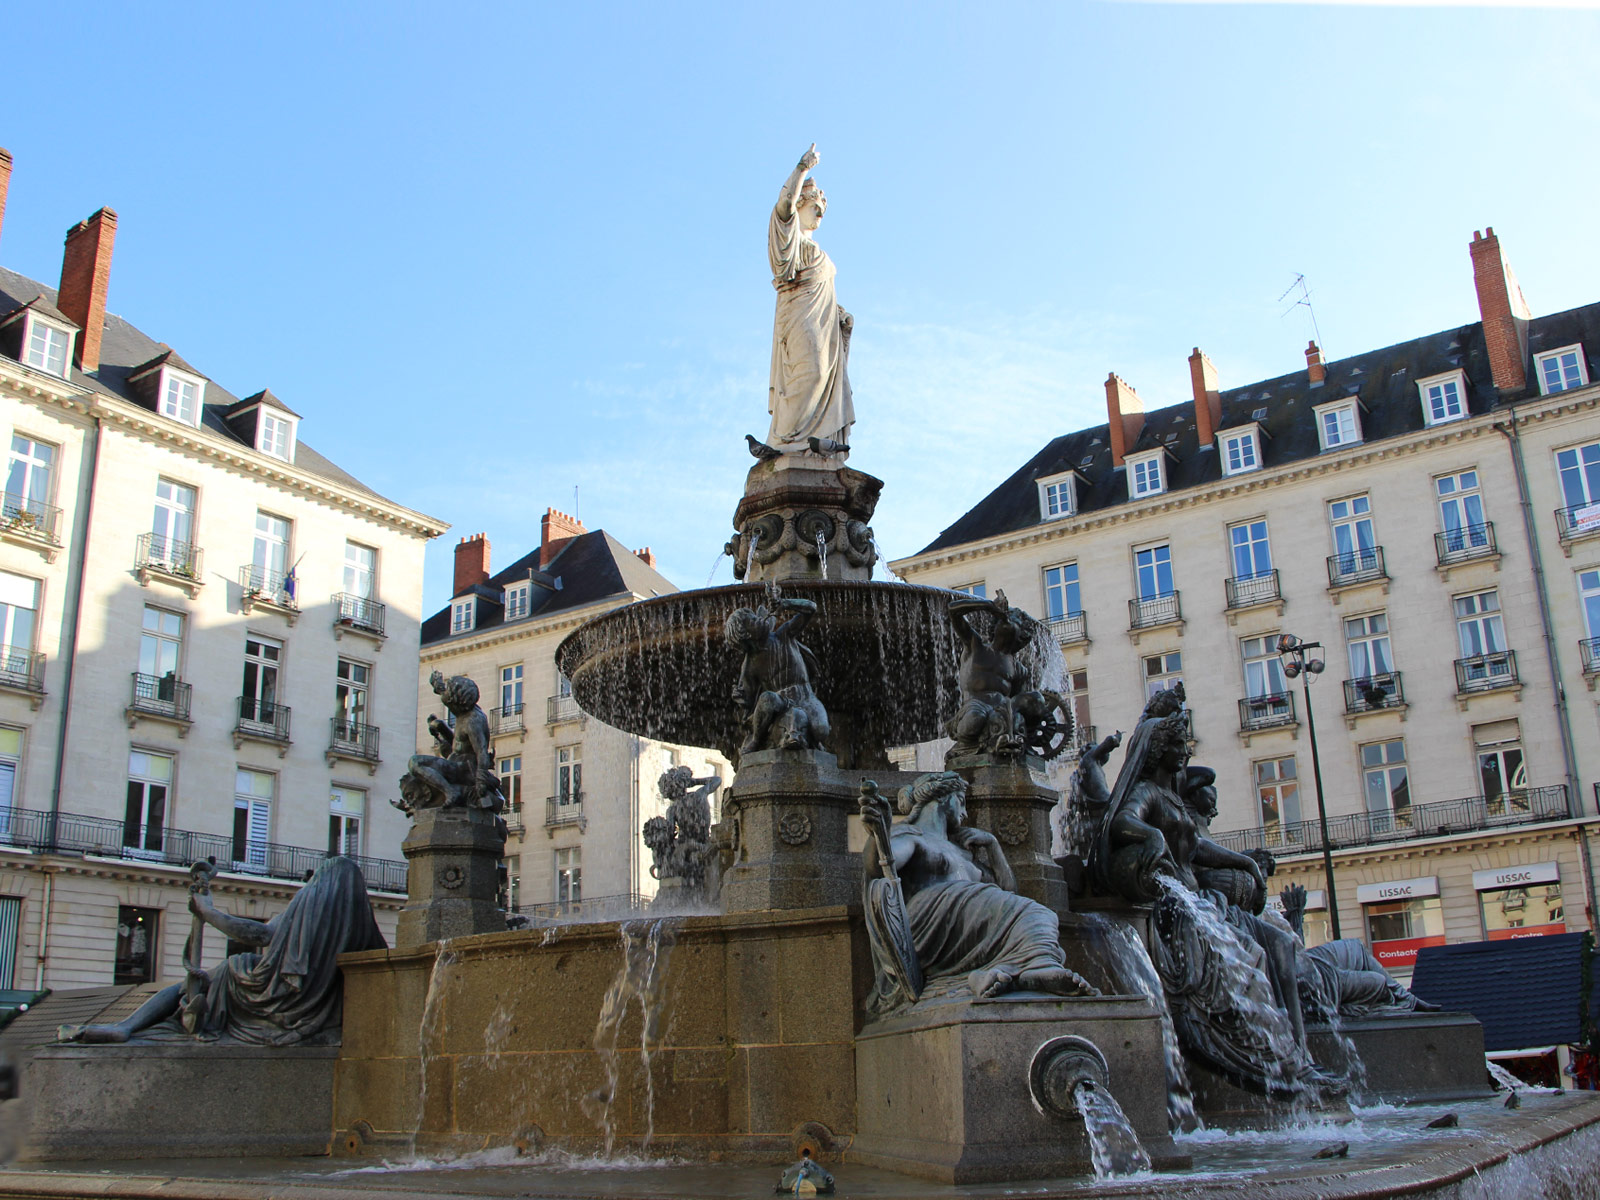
1423 848
526 627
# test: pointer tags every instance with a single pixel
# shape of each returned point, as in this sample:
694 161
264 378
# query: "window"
569 775
1354 542
347 807
979 589
1252 553
1144 474
1061 597
1240 452
173 525
19 612
136 945
350 691
1479 625
1078 698
1153 571
510 772
269 560
1443 398
47 347
1278 793
511 690
180 398
1502 768
360 570
1589 594
1338 424
1057 496
161 643
258 701
149 781
1461 511
1367 640
1263 669
1533 911
1579 469
511 871
569 875
29 475
517 600
1162 671
462 613
1397 929
252 817
563 686
275 436
1561 370
10 763
1387 783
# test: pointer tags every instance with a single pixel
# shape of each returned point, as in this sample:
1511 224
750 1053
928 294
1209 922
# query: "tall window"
1278 792
1589 593
259 699
149 781
1386 781
1579 470
1353 538
1461 510
569 774
137 945
350 691
1502 768
174 520
510 772
30 473
252 817
511 689
180 399
1162 671
979 589
1367 640
569 875
1061 597
161 643
10 761
360 570
347 808
47 348
1153 571
563 686
511 867
1479 626
1078 697
19 612
1263 669
1252 553
1442 399
271 554
1561 370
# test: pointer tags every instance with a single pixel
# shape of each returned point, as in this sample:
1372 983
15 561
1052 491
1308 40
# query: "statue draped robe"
809 393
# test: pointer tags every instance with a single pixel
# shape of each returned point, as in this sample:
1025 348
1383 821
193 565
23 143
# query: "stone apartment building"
578 790
1426 512
207 639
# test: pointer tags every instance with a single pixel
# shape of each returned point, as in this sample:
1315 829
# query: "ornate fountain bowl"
659 668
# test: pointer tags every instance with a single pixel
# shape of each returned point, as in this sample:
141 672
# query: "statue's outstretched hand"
810 158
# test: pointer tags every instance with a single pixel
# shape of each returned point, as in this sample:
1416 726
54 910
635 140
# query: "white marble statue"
809 395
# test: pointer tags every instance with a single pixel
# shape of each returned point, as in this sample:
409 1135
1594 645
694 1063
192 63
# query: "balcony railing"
30 518
74 833
513 816
274 587
1358 566
1577 520
1245 591
1486 672
1589 650
21 669
565 809
1155 610
352 739
1469 541
357 612
507 719
264 719
1266 712
161 696
1070 628
1436 819
590 908
1371 693
153 552
562 708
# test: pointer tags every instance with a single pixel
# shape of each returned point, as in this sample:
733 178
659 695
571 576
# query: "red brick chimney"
85 274
1314 367
1207 399
5 183
472 563
1124 415
647 556
555 531
1504 312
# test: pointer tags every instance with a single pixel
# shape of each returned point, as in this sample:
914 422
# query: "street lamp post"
1294 650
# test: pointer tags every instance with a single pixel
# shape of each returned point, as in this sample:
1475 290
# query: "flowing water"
430 1031
822 554
646 946
1114 1148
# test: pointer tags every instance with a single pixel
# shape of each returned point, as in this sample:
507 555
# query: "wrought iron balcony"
358 613
1577 520
1372 693
1589 650
352 739
22 669
507 719
154 552
1467 542
562 708
589 908
33 519
564 809
265 720
161 696
1358 566
1147 613
1528 807
1246 591
1070 628
1487 672
513 816
273 587
1266 712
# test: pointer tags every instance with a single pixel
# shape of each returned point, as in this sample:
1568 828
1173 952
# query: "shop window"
1397 929
137 930
1533 911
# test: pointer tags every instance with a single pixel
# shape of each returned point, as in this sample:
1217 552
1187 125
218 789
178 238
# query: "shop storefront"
1517 902
1402 916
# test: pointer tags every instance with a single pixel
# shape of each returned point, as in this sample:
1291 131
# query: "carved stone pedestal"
454 857
788 503
1003 798
792 813
1411 1058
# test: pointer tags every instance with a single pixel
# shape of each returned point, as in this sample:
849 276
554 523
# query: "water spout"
1114 1148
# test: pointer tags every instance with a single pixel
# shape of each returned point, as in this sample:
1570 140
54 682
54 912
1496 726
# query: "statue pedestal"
787 503
1003 798
792 813
1411 1058
943 1089
452 884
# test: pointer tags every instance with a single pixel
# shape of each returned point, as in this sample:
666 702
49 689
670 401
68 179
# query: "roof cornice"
525 627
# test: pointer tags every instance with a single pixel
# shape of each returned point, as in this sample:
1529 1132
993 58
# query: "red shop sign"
1505 935
1402 952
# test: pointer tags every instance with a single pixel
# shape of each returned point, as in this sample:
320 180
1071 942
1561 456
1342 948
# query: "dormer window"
1561 370
1444 398
1058 496
463 615
1145 477
517 596
1338 424
275 436
181 396
1241 450
48 347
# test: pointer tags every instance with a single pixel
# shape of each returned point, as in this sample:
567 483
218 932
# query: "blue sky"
494 253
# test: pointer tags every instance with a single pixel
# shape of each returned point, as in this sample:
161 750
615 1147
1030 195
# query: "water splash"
711 578
822 554
430 1031
646 946
1114 1148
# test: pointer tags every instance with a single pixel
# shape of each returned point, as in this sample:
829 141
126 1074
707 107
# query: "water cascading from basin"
429 1031
646 947
1114 1148
1070 1079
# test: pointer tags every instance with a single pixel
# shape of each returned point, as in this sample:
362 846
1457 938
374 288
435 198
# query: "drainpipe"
1514 443
80 557
635 881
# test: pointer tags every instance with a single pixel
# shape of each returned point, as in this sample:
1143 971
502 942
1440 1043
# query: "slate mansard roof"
125 350
591 567
1383 381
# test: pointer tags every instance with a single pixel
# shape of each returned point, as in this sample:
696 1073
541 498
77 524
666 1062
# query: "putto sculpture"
774 691
680 839
462 774
941 915
1003 711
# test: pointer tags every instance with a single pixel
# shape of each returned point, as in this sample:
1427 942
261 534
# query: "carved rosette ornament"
451 877
1012 828
795 828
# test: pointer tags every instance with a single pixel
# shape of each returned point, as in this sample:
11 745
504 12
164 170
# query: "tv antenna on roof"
1304 298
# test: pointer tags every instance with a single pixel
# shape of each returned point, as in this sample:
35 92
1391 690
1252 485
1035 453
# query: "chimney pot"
1207 398
5 183
647 556
1504 313
1124 417
556 529
85 276
1314 367
472 563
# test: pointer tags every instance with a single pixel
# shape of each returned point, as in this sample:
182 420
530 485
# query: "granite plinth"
1412 1057
453 855
791 810
793 503
1004 798
178 1099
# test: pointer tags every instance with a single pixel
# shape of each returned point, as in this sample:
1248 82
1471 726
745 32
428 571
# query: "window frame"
1285 789
978 589
1140 468
1067 588
1385 767
1155 566
1062 479
256 857
518 600
1576 350
1367 638
1348 406
1458 378
358 568
568 862
463 614
286 425
1243 435
34 321
340 820
171 376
